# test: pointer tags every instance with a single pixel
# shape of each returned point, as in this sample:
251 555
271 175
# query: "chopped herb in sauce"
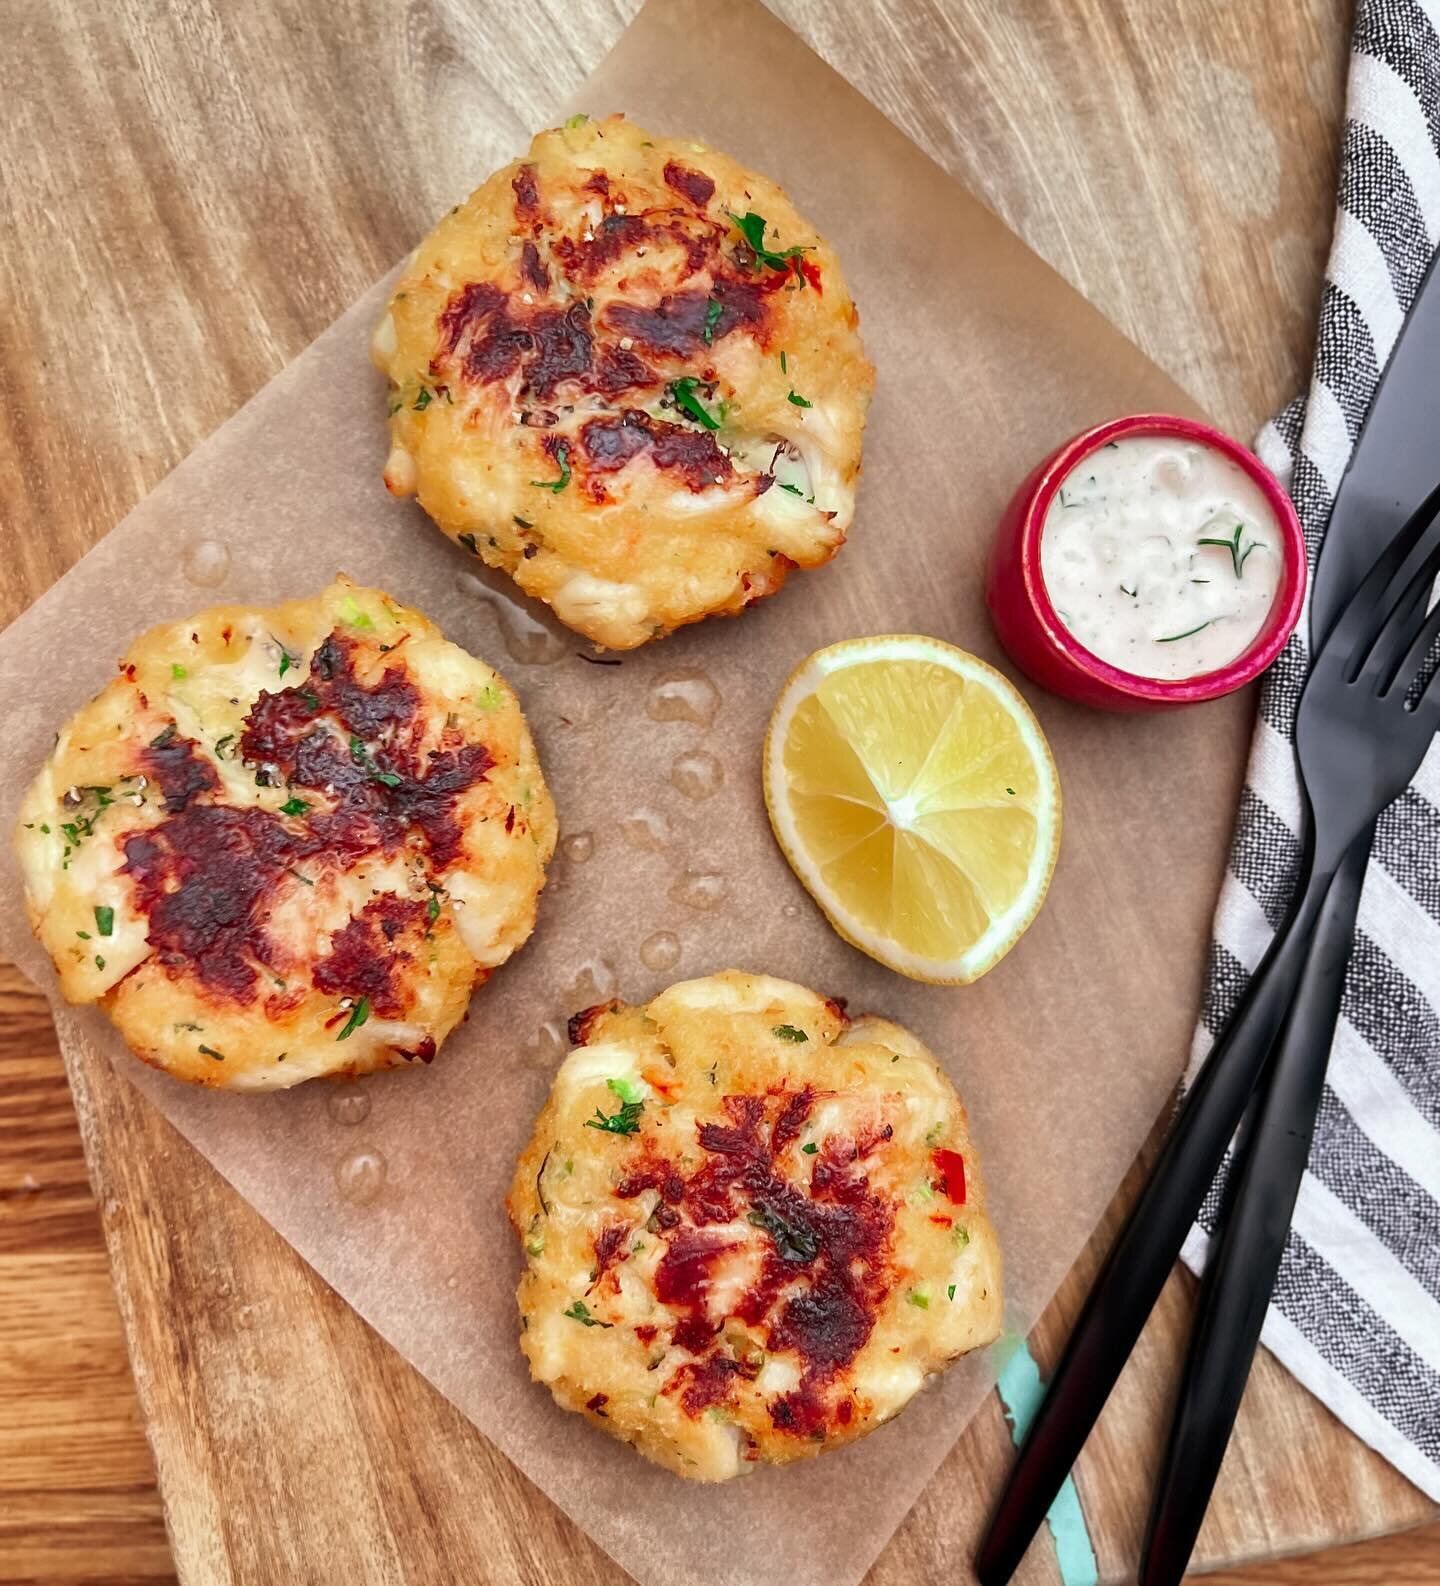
294 806
104 919
1238 557
810 1149
358 1015
951 1291
99 962
287 661
1171 638
794 490
789 1032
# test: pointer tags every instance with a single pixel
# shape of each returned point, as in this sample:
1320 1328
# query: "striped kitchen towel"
1356 1311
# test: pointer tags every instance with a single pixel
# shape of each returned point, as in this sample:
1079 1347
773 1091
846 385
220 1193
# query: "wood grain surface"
193 191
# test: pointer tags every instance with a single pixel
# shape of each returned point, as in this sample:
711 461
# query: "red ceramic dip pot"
1041 645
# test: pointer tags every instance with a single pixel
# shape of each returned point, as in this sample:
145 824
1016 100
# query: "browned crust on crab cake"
752 1227
287 842
629 373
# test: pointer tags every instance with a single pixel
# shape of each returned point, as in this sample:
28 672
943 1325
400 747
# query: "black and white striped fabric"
1356 1312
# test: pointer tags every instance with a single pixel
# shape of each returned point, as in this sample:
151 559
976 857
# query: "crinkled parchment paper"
1065 1053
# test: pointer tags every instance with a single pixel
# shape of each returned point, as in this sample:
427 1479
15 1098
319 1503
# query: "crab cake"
287 842
752 1227
627 372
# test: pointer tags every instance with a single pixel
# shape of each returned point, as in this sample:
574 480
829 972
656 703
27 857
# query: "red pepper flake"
951 1167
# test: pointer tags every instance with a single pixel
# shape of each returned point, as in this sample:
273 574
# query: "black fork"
1360 741
1366 720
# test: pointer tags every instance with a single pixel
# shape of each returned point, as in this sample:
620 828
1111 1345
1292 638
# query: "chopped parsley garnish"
287 661
1172 637
950 1290
99 962
794 490
752 227
104 919
1010 791
789 1032
626 1121
562 457
358 1015
432 908
713 310
312 699
294 806
209 1051
810 1149
1238 557
793 1241
784 367
423 401
361 756
580 1312
919 1299
796 400
177 672
83 935
468 541
682 393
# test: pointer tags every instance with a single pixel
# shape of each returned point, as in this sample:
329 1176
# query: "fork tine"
1408 670
1384 663
1359 624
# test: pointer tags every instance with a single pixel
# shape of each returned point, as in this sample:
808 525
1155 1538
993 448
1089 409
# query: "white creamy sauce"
1129 562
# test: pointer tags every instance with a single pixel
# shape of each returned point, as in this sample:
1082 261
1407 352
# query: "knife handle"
1240 1273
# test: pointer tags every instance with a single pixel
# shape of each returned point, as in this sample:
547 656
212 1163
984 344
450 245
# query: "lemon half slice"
913 793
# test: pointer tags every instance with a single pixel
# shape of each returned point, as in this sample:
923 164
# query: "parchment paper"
1065 1053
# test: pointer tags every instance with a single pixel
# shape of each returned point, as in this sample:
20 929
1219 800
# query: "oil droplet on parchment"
660 951
348 1104
205 563
594 982
578 848
360 1175
700 889
547 1046
791 911
697 774
684 696
525 638
646 830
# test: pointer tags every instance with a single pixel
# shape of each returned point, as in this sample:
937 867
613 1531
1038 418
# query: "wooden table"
191 194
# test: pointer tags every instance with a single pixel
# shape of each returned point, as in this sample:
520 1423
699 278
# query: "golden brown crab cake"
627 372
287 842
752 1227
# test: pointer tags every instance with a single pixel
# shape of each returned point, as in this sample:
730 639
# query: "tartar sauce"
1162 557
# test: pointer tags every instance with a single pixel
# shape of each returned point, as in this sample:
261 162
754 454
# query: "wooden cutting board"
193 194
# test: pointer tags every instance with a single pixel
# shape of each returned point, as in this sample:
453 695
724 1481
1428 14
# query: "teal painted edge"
1021 1391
